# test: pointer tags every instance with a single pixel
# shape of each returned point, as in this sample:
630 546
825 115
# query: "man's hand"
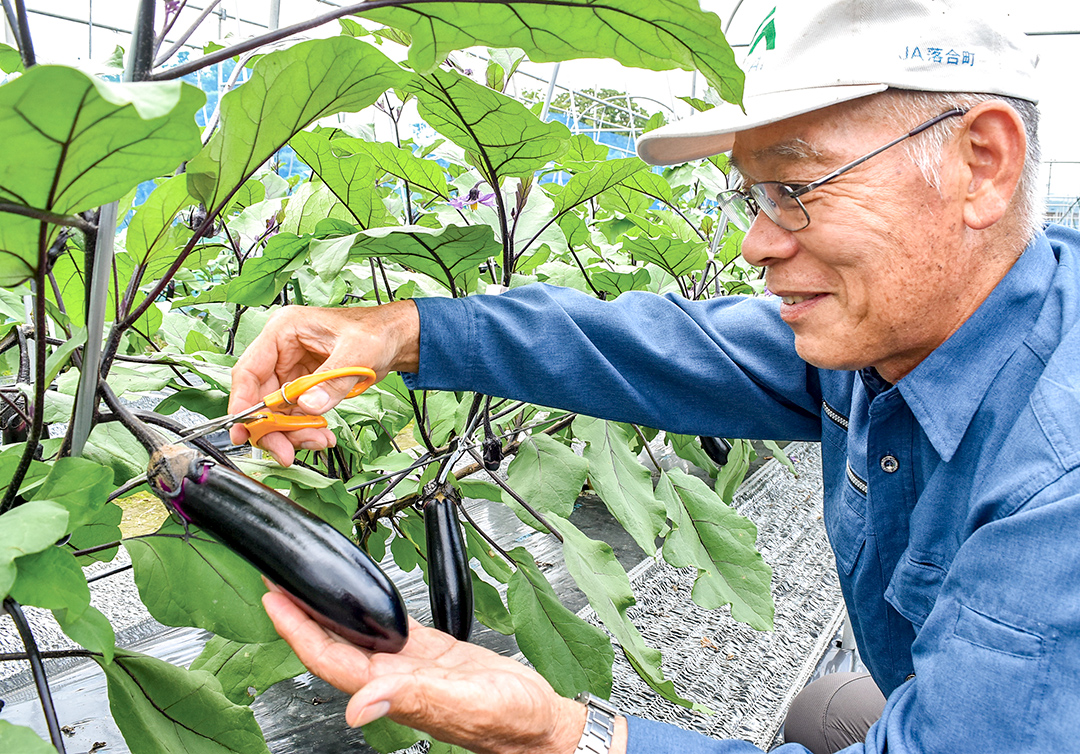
458 692
302 340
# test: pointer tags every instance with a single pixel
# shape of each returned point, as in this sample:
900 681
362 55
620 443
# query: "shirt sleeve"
725 367
649 737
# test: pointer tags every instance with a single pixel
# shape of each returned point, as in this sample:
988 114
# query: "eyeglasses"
780 201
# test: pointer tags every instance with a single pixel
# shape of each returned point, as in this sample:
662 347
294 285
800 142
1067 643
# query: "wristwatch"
599 725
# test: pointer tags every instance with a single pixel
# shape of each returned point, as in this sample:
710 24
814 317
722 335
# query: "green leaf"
573 655
29 528
149 234
351 178
780 455
734 471
246 670
658 35
650 184
449 255
584 149
110 444
228 593
90 629
21 739
262 278
58 359
330 255
499 134
489 607
163 709
51 579
688 447
598 178
672 255
10 60
597 572
80 485
478 547
617 282
622 482
385 735
102 529
547 474
710 536
73 142
288 90
207 402
426 175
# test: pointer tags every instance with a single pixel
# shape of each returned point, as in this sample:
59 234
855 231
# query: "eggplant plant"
499 199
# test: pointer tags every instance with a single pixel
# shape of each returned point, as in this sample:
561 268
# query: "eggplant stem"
37 668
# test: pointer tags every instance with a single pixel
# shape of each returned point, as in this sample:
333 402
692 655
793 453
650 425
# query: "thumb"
321 398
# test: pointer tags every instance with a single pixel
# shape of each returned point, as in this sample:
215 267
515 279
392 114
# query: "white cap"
808 54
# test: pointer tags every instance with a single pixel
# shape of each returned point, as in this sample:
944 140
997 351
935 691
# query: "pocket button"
889 464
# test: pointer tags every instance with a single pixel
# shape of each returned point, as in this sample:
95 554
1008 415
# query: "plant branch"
70 221
26 44
520 500
645 442
162 59
55 654
37 668
150 440
142 42
263 39
37 424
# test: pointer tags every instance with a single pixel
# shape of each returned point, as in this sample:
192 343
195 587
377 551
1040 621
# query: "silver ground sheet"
747 677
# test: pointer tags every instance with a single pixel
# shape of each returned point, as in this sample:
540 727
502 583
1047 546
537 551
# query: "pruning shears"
261 419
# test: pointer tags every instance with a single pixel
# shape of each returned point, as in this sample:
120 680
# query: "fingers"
339 663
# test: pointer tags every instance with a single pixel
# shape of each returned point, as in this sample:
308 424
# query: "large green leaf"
573 655
597 572
198 582
658 34
23 740
598 178
51 579
151 235
675 256
73 142
262 278
449 255
352 178
164 709
710 536
547 474
27 529
246 670
78 484
426 175
500 135
288 90
622 482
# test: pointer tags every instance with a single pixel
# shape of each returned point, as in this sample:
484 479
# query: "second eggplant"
449 575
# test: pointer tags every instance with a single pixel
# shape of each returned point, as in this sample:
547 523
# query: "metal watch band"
599 725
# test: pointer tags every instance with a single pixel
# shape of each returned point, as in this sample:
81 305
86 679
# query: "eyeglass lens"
773 198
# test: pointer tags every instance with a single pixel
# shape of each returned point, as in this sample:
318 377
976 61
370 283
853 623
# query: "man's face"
880 277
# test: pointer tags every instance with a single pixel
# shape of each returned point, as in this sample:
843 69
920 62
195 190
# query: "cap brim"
713 131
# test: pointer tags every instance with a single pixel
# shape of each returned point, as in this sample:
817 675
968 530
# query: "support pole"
550 93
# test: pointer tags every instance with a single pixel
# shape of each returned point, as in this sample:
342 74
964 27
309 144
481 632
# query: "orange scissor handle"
259 425
291 391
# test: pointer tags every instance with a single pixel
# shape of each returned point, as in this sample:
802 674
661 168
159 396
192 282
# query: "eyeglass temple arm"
913 132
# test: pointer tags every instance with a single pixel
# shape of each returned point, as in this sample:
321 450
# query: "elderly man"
923 328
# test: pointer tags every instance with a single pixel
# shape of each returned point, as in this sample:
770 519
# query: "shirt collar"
946 388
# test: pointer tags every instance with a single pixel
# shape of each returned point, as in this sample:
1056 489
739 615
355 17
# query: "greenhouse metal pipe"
550 93
86 393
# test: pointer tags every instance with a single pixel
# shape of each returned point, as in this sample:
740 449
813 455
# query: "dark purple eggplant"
322 570
449 575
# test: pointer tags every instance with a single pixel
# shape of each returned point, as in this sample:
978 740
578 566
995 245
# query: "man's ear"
992 153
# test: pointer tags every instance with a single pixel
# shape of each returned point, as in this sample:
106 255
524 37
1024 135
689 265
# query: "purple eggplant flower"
172 6
473 199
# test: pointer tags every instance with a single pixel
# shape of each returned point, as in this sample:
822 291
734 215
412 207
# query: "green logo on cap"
766 30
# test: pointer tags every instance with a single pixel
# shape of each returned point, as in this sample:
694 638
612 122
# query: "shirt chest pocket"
845 522
915 585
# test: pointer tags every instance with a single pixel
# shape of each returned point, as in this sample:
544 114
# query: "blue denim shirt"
952 499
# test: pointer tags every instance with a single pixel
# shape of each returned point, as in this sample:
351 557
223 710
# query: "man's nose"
767 243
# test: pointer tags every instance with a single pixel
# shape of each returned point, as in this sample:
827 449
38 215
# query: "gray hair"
897 106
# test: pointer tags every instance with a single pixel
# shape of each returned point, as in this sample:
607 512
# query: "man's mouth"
791 300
